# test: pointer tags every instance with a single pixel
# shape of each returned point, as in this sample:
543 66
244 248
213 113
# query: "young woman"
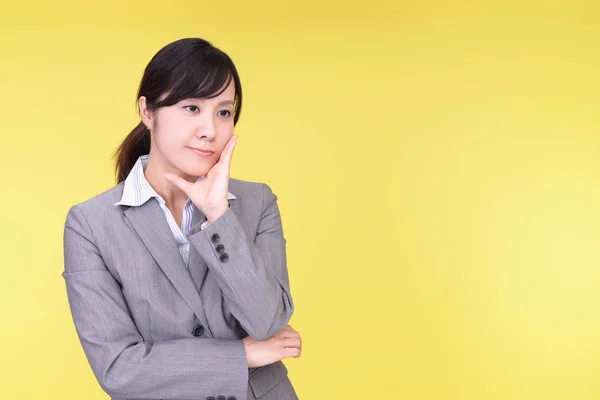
176 277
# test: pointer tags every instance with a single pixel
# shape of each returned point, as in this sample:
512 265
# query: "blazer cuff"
225 230
203 225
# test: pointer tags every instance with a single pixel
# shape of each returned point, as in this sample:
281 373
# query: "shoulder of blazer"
241 189
256 194
102 201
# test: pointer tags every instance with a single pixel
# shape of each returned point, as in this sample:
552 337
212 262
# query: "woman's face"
180 131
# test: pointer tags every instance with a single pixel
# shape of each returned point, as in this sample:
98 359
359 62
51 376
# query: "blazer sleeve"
251 271
125 365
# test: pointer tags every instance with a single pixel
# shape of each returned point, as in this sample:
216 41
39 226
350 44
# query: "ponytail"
136 144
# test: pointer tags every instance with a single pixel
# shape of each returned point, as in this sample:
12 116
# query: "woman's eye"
192 108
224 113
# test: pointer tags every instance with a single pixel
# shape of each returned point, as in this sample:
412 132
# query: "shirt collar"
137 190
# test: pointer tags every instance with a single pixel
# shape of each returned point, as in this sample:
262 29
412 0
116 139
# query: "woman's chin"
196 170
193 167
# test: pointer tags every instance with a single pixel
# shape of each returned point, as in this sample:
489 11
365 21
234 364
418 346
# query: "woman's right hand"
284 344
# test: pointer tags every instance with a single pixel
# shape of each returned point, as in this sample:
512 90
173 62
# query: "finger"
290 334
291 352
228 151
178 181
220 179
288 331
225 149
292 342
230 147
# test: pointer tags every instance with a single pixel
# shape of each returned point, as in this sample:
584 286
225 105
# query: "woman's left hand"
209 194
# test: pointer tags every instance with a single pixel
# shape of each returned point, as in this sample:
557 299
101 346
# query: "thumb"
181 183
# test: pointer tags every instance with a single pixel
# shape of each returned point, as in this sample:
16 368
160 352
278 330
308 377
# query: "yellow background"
437 167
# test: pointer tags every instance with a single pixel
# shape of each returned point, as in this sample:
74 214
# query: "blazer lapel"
196 265
149 222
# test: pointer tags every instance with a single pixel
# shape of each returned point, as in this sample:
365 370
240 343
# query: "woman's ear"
145 113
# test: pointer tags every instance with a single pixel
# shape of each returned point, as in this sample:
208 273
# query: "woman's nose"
206 128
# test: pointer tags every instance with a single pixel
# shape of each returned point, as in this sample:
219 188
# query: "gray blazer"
152 328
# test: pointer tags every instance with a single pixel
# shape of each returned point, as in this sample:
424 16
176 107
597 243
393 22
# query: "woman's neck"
155 169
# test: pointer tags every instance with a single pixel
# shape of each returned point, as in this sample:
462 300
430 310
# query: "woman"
176 277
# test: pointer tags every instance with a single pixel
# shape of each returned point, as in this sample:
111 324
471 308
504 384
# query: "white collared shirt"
137 191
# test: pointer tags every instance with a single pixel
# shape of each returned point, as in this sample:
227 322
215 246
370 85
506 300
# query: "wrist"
216 214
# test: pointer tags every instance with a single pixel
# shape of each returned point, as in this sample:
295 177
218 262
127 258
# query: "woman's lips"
202 153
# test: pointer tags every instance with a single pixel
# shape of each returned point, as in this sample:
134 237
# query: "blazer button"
210 398
232 398
198 330
224 257
215 238
220 248
221 398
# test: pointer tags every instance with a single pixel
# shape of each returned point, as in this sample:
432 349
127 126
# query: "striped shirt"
137 191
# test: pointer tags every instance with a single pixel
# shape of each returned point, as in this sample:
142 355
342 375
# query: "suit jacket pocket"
265 378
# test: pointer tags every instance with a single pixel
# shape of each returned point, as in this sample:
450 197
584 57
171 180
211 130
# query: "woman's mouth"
201 152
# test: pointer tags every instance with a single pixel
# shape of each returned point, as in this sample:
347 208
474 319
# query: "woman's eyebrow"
221 103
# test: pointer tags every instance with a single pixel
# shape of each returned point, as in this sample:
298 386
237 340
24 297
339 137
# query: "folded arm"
251 270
